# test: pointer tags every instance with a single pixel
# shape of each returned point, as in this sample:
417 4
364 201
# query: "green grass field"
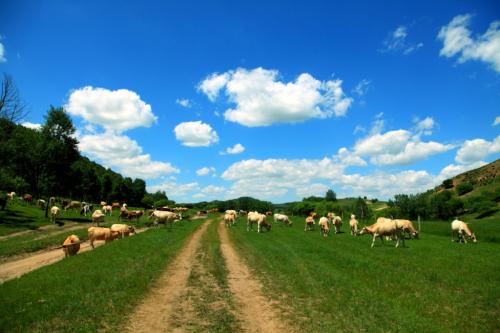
93 290
340 284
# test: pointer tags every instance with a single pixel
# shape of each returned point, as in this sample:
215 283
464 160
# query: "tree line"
46 162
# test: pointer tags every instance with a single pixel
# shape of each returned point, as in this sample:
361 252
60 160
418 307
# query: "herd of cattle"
391 229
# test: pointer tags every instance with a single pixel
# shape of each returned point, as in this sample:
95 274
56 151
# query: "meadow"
340 284
337 283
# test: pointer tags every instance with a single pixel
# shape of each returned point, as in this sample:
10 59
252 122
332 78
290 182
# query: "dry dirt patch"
255 310
153 314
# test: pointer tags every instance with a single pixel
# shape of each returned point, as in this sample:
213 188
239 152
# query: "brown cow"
71 246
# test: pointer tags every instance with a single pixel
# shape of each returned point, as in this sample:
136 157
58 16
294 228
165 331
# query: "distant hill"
482 176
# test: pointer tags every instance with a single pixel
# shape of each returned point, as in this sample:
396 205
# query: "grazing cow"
103 203
323 225
229 219
283 219
309 223
28 198
135 214
213 210
115 205
337 223
202 213
107 209
259 219
97 216
232 211
54 213
71 246
314 215
98 233
353 223
11 195
384 227
86 209
164 209
41 203
269 213
123 229
461 229
161 217
407 227
243 212
73 205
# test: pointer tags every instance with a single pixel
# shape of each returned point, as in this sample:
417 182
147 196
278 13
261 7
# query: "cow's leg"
374 238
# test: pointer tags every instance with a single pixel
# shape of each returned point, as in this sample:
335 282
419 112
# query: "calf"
71 246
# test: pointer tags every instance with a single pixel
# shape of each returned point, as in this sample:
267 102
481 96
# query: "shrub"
464 188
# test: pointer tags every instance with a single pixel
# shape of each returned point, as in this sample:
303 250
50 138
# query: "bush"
464 188
448 183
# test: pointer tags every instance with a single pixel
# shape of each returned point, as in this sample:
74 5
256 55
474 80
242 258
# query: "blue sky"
215 100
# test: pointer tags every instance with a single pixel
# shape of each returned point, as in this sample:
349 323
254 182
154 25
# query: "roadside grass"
94 290
208 289
34 242
340 284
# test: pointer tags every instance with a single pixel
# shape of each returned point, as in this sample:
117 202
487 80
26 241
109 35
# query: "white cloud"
316 189
261 99
2 52
184 102
397 41
496 121
236 149
199 196
457 41
362 87
205 171
196 134
123 154
174 190
212 189
412 152
32 125
346 158
473 151
401 147
452 170
271 179
213 84
117 110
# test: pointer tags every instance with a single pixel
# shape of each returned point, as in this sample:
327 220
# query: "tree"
330 195
11 106
60 152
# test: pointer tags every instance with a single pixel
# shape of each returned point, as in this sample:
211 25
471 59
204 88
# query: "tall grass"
340 284
93 290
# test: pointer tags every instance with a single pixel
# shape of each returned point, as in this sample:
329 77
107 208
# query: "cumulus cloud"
2 52
196 134
183 102
175 190
212 85
399 147
261 99
236 149
316 189
212 190
32 125
124 154
396 41
473 151
205 171
496 121
117 110
457 41
274 178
